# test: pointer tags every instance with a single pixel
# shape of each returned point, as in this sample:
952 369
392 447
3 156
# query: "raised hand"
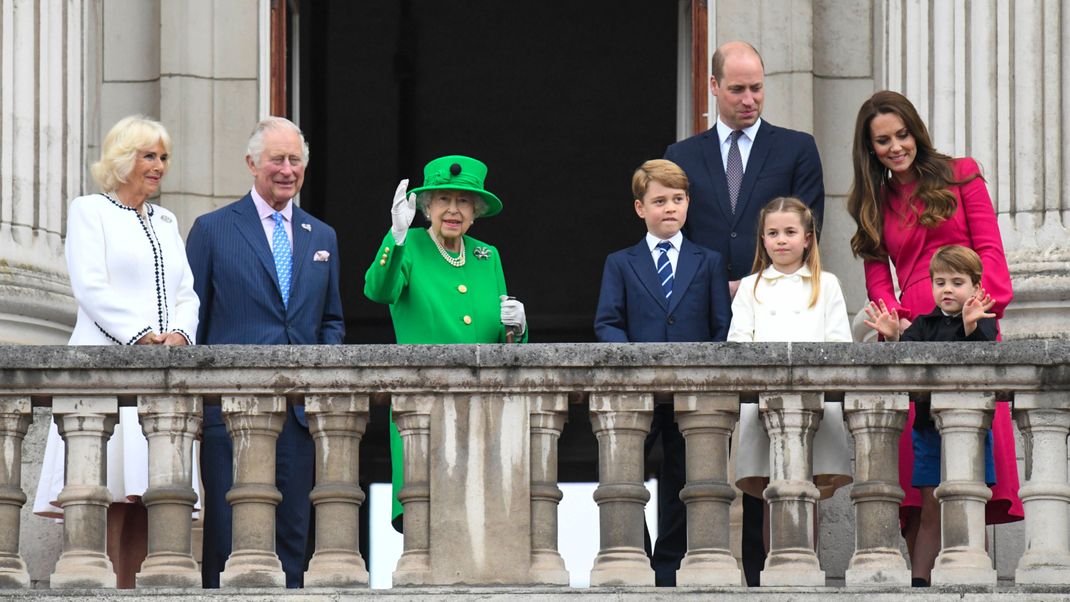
977 307
402 212
883 320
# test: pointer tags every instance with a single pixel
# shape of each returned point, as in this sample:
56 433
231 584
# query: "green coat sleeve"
388 274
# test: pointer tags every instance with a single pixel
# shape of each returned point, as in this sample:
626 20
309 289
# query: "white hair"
255 147
479 207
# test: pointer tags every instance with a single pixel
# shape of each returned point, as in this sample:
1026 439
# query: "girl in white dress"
788 298
133 285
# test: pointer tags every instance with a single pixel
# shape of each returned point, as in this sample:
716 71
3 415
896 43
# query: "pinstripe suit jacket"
234 276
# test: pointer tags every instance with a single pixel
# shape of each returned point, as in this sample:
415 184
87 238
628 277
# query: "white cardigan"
781 310
129 277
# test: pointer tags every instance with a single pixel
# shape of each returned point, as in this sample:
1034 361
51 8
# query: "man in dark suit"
266 273
664 289
735 168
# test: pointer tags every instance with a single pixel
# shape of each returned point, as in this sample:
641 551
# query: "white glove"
402 212
513 314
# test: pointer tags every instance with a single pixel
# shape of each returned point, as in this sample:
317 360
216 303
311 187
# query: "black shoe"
918 582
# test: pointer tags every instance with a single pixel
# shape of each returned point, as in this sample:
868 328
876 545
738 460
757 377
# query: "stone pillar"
1044 420
15 416
337 423
41 159
706 421
963 420
791 419
621 422
254 423
412 415
170 422
547 417
876 421
86 424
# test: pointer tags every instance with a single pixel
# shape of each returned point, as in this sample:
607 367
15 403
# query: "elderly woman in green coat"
442 285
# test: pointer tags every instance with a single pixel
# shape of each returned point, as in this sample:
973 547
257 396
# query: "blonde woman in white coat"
133 285
789 299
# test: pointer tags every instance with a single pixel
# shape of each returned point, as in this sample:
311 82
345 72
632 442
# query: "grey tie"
734 170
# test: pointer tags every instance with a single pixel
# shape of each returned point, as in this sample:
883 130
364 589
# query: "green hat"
457 172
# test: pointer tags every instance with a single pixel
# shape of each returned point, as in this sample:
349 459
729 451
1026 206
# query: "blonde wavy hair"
130 136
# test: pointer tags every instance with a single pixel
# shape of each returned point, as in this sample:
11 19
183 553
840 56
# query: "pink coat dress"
910 248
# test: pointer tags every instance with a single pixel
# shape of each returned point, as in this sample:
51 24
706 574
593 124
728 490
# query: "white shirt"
674 252
745 141
267 217
779 309
130 277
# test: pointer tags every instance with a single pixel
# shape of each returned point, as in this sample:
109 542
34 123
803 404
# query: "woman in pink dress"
908 200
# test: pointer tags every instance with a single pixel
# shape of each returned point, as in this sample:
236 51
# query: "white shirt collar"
723 131
771 273
265 211
652 241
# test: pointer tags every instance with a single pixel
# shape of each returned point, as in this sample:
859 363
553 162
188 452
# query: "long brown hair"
811 255
865 202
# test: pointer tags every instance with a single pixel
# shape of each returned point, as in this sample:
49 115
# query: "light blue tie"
665 268
280 249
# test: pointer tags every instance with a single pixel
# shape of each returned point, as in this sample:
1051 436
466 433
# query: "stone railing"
480 426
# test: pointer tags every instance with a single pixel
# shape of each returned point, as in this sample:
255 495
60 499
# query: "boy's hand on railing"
883 320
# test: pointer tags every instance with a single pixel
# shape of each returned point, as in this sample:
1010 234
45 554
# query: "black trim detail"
189 339
137 337
105 333
157 261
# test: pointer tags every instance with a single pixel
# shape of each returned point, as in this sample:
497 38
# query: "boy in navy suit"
664 289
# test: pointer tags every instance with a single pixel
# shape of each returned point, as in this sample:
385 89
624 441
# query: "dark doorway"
562 99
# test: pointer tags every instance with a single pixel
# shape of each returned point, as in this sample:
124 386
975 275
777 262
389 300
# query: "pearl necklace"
455 262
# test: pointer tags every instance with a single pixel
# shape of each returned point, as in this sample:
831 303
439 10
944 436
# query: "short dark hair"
959 260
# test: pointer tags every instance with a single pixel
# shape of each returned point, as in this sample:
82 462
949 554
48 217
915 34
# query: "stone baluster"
412 415
876 422
15 416
621 422
337 423
170 422
86 424
1044 420
963 420
706 421
254 423
547 419
791 419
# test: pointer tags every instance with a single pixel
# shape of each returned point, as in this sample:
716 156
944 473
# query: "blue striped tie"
280 249
665 268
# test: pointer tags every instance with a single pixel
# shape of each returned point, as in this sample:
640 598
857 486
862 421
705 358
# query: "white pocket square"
321 256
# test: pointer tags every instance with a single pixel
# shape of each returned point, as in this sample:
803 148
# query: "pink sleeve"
983 229
879 286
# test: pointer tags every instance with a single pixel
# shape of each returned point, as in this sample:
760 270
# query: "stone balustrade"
480 426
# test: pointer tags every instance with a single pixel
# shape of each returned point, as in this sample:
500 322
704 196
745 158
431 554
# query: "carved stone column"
86 424
791 419
876 421
963 420
706 421
547 417
1044 420
170 422
337 423
412 415
15 416
621 422
254 423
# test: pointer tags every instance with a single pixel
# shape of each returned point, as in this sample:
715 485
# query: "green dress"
432 301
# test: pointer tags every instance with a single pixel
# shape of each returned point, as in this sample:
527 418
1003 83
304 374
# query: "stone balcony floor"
489 594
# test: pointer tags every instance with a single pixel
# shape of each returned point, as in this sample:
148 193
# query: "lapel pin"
481 252
307 227
165 219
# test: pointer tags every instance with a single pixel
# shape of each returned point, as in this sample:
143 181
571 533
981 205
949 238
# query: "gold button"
468 319
382 262
386 250
462 289
384 256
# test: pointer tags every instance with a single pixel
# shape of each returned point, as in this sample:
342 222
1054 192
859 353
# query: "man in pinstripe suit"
266 273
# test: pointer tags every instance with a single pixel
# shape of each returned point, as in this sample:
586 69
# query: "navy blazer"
234 276
782 162
632 306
